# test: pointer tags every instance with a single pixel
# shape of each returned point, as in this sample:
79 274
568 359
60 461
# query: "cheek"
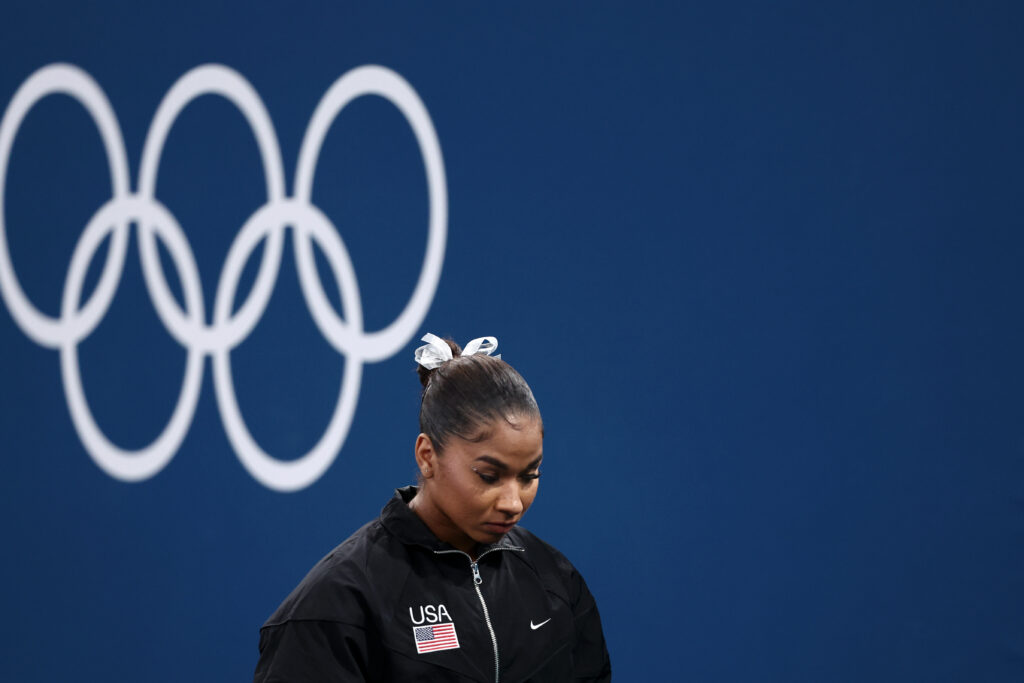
470 495
528 495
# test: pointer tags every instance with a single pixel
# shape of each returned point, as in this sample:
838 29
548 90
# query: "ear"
426 456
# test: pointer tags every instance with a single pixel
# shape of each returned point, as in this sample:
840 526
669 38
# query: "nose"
509 501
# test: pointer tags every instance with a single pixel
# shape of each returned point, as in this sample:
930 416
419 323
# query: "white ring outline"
291 475
115 461
210 79
76 83
373 80
270 221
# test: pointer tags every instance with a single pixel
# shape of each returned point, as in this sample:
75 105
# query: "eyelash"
526 479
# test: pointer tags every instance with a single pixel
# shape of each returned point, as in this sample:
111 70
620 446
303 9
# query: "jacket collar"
399 519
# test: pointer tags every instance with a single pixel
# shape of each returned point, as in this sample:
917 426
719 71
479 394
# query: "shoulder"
339 587
532 543
549 562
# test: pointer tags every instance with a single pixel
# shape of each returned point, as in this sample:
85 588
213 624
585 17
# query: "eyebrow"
504 468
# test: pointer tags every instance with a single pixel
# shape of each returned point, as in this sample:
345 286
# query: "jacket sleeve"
590 655
312 650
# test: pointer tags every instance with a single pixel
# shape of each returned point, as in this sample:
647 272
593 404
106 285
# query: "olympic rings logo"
78 319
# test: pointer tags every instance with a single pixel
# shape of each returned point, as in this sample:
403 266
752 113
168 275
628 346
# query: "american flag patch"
434 638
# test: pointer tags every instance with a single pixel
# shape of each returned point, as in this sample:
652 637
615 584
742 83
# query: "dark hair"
467 392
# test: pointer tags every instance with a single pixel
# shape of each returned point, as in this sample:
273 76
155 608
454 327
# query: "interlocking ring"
187 326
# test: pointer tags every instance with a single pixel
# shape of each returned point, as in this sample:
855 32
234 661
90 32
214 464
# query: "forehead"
514 441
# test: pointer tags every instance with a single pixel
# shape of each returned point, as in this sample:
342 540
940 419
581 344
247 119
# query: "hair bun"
461 397
426 374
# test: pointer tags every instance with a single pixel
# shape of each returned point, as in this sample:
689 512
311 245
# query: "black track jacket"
393 603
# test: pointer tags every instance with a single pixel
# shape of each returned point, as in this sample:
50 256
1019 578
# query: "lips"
499 527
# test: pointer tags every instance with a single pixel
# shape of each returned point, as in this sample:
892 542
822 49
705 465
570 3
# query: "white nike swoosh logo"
537 626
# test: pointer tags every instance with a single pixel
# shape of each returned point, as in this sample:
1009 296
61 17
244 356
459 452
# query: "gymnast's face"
477 490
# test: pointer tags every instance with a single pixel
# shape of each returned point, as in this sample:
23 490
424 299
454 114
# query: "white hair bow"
437 351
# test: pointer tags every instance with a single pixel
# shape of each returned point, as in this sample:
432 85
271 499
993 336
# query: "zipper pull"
476 574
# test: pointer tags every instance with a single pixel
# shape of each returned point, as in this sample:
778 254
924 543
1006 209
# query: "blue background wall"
760 264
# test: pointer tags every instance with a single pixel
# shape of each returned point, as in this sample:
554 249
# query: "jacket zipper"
477 580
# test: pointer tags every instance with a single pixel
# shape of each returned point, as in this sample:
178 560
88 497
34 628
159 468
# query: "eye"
529 477
486 477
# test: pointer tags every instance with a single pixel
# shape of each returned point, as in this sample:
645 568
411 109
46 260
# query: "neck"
424 507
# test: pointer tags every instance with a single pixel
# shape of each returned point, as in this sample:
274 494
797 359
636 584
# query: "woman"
444 586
